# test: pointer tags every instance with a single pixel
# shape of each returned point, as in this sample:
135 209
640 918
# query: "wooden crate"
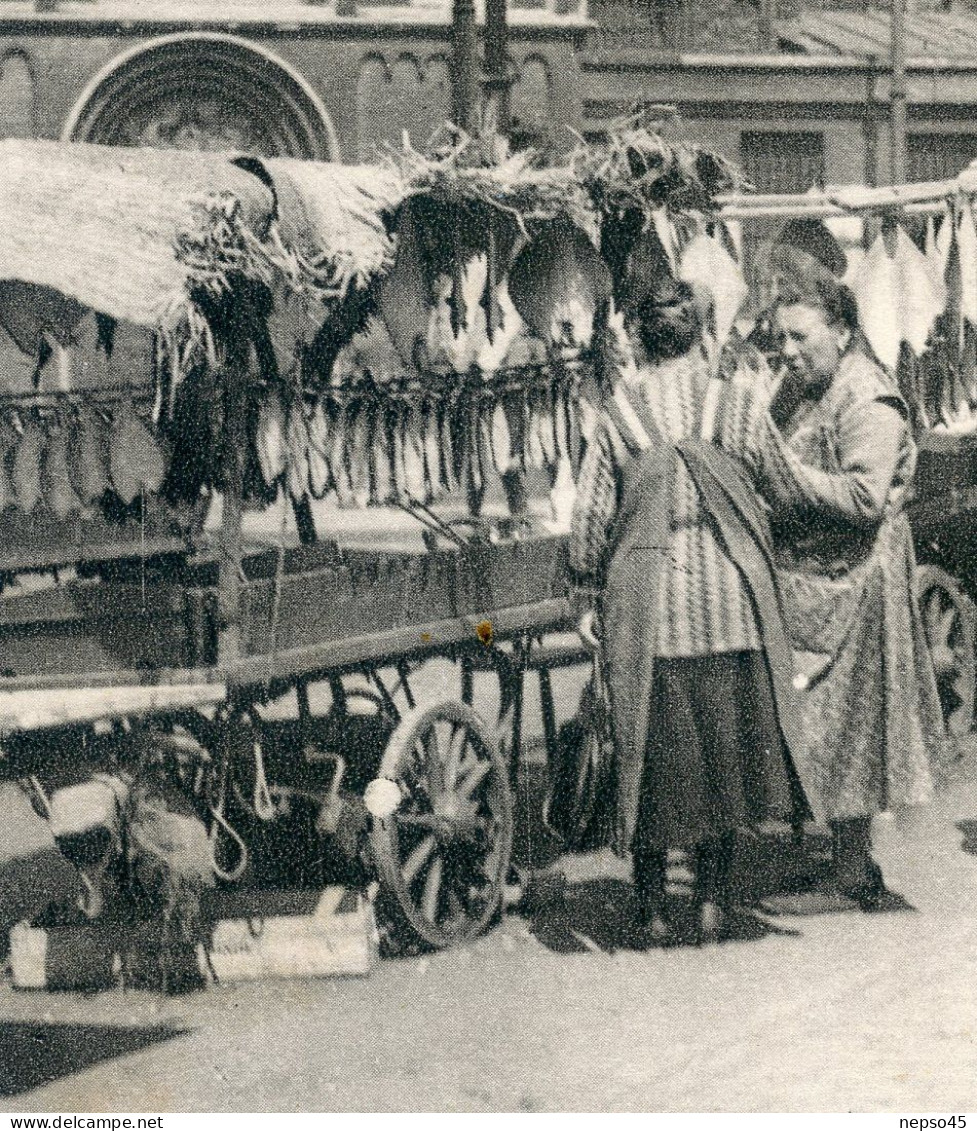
81 958
507 574
285 935
93 626
254 936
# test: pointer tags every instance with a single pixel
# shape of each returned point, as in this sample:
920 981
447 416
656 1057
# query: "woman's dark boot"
650 866
714 859
856 874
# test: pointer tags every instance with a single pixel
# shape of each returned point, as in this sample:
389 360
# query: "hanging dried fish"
432 450
88 456
563 494
297 475
339 460
473 436
572 401
320 477
898 297
8 443
320 427
271 439
27 466
320 440
547 428
56 477
707 264
458 427
561 421
383 482
459 306
501 439
449 476
414 472
359 453
537 452
136 461
558 282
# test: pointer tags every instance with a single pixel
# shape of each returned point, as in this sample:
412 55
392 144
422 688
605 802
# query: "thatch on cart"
134 233
332 222
635 168
103 225
465 172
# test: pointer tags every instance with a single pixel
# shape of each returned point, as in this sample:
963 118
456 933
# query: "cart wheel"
949 622
443 855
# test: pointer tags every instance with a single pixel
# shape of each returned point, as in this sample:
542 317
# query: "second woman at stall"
837 460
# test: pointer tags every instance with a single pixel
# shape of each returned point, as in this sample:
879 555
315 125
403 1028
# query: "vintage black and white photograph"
488 556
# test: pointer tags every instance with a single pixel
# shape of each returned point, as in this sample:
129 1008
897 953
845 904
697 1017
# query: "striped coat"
640 500
704 605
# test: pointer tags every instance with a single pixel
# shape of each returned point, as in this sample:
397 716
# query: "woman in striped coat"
669 532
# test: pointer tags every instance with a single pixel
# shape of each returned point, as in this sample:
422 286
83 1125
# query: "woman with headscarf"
837 460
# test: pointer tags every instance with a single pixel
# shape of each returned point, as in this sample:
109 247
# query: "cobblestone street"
842 1012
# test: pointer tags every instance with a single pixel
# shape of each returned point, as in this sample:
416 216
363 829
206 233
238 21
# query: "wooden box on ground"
64 958
280 935
258 935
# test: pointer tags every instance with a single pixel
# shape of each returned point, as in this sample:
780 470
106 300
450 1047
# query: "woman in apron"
836 466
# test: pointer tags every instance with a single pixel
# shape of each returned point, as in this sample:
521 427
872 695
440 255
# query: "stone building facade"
797 95
307 79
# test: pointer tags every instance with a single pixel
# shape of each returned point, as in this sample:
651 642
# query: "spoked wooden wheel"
443 854
949 623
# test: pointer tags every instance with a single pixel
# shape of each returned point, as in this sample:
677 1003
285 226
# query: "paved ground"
552 1011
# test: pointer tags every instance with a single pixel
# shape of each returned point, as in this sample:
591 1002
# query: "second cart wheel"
443 854
949 623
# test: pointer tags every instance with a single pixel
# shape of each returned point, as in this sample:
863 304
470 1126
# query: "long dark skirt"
715 759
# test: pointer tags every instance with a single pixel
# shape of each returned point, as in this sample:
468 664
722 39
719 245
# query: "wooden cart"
130 615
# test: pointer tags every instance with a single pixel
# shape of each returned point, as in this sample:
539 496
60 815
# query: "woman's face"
810 344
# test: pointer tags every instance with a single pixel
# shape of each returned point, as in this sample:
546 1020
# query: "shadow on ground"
33 1053
969 829
600 915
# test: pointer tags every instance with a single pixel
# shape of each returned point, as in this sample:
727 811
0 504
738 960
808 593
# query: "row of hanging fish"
65 462
373 451
917 306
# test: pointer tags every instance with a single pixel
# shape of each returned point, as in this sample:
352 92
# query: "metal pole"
898 94
464 37
497 63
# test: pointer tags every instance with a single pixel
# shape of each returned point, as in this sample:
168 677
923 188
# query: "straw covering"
103 225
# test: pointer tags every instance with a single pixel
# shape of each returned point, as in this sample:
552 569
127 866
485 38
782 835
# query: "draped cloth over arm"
636 543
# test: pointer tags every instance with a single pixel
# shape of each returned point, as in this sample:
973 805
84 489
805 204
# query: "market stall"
406 336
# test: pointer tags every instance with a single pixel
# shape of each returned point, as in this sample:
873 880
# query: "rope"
220 824
276 601
264 804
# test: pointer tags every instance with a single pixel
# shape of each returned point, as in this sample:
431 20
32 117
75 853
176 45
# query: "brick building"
326 80
797 96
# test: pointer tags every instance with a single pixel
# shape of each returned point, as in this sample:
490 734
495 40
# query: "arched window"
17 96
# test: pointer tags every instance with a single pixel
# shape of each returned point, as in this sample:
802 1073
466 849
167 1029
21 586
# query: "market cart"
199 338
